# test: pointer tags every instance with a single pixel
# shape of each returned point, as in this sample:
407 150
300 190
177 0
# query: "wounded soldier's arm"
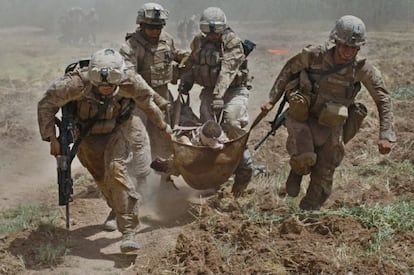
61 92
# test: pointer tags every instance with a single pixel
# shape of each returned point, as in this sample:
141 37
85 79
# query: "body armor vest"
339 87
208 64
154 63
117 110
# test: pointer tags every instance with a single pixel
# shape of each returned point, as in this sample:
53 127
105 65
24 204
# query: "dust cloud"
45 14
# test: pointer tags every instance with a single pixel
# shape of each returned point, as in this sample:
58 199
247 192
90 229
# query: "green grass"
82 179
40 220
403 92
27 218
388 220
50 254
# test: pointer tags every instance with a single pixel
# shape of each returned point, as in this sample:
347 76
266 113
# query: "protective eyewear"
212 27
153 26
105 76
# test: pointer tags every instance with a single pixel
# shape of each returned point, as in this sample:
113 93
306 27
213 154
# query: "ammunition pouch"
356 114
161 74
299 104
333 115
103 127
299 96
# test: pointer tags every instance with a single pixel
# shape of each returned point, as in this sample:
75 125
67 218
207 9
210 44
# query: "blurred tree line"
120 14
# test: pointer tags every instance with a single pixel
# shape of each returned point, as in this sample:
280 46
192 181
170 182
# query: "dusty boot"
110 222
293 184
129 244
243 174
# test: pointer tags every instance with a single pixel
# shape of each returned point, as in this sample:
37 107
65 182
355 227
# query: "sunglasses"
153 27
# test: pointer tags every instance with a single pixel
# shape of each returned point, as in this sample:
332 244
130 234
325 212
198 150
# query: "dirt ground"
182 230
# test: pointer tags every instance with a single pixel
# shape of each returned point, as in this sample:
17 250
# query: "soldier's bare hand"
267 107
384 146
167 131
54 146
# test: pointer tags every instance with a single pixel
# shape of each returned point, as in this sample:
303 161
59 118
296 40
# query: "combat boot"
293 184
128 243
110 222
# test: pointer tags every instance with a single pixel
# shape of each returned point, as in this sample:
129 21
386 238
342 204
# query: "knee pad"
302 163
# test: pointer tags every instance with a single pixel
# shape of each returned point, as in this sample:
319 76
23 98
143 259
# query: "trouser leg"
329 158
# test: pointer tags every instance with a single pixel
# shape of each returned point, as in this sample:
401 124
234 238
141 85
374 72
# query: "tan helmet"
213 20
349 30
106 67
152 14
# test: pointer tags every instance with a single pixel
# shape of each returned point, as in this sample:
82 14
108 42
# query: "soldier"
218 64
151 52
321 84
117 144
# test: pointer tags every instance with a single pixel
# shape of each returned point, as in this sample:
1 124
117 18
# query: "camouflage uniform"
155 64
315 148
116 150
221 69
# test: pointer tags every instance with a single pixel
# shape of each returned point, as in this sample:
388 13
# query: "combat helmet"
213 20
349 30
106 67
152 14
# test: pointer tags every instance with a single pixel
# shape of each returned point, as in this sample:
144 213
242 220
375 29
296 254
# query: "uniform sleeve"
292 67
143 96
371 77
128 51
233 58
62 91
187 74
179 54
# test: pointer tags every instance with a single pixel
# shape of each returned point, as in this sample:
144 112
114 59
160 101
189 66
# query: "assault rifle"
64 160
275 123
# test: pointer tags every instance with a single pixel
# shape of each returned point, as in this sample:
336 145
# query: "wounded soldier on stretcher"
210 134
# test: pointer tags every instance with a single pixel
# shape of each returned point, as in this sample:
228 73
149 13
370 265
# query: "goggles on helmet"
156 14
212 27
105 76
